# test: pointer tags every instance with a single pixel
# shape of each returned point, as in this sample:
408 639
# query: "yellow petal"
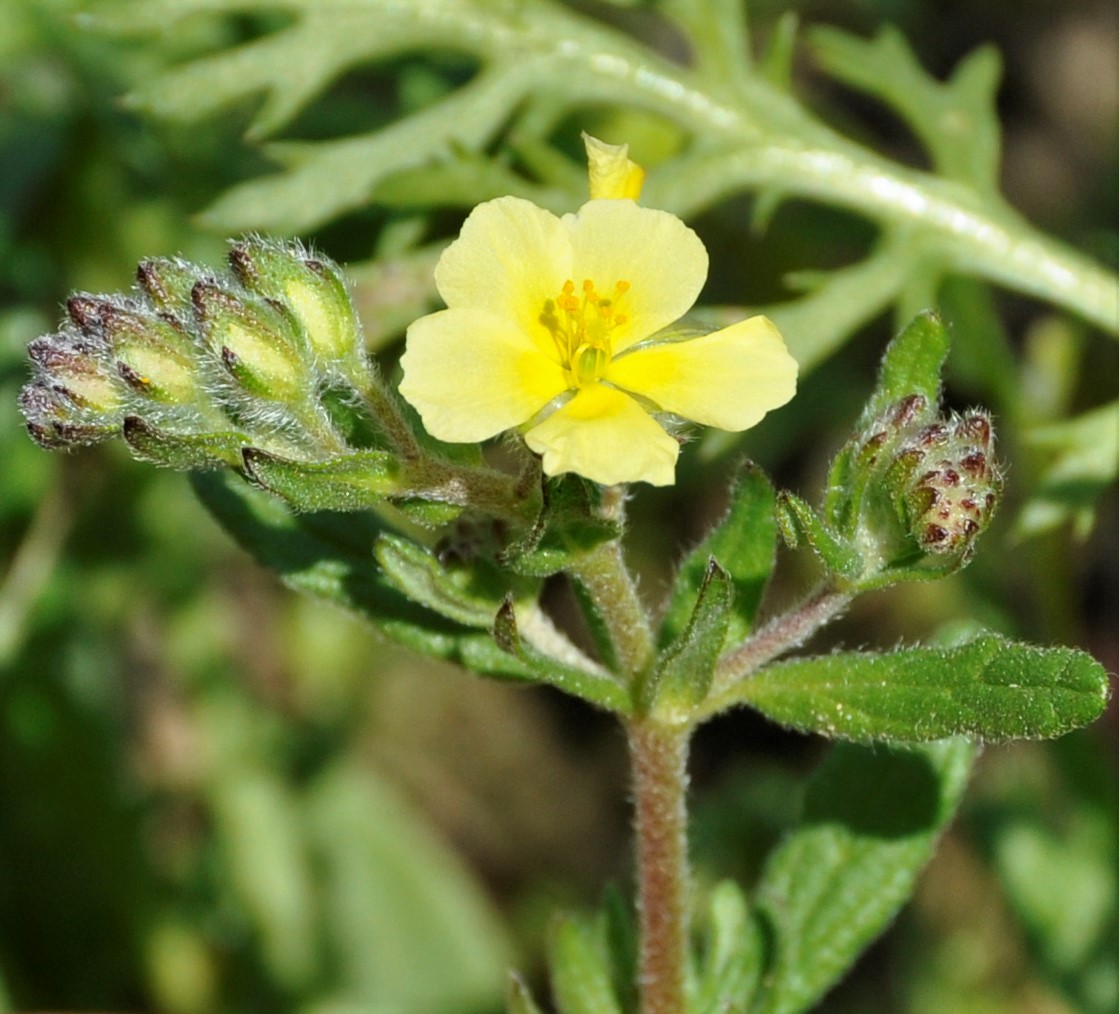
472 375
509 258
611 173
664 262
605 436
729 378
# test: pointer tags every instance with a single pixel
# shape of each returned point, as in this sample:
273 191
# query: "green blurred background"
216 796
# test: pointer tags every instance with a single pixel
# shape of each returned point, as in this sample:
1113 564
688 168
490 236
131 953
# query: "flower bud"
946 483
76 398
168 283
253 342
311 288
75 368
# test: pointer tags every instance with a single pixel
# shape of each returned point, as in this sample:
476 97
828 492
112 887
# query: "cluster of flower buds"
938 475
191 354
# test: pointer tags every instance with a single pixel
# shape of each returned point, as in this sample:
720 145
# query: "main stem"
659 756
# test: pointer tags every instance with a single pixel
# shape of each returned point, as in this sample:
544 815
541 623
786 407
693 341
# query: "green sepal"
518 997
312 290
682 675
566 528
799 524
355 482
467 595
580 968
429 513
184 451
910 366
744 542
990 688
598 688
871 820
330 556
730 964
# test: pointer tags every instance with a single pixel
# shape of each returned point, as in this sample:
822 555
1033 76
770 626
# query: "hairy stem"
613 594
658 755
781 634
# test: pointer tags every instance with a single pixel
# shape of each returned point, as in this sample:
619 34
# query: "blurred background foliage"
217 796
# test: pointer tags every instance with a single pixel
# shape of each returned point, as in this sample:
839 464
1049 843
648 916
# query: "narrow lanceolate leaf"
330 556
518 997
731 960
581 979
990 688
467 595
799 523
351 483
183 451
683 673
743 542
870 822
577 675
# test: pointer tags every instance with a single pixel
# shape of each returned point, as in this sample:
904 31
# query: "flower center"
581 324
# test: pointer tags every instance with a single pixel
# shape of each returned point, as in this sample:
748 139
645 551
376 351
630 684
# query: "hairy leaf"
743 543
575 674
989 688
683 673
330 556
871 819
581 978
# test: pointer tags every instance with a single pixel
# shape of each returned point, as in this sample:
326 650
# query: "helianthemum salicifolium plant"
568 335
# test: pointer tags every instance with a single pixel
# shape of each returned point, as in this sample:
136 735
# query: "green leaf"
731 961
799 523
989 688
183 451
744 543
408 927
330 556
576 677
467 595
580 968
870 822
351 483
1085 464
683 673
518 997
956 121
620 935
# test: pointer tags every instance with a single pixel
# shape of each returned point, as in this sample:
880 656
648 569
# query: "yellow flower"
547 330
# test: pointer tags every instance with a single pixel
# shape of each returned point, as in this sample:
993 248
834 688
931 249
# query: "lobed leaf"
990 688
956 121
